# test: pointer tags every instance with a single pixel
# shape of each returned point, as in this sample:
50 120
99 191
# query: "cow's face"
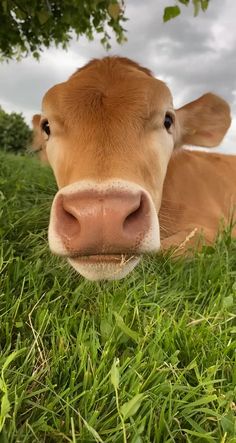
108 134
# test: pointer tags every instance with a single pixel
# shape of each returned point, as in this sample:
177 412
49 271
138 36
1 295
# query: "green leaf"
114 10
3 386
197 428
228 423
171 12
121 324
196 4
43 16
129 408
202 401
115 375
234 286
197 434
228 301
4 6
184 2
106 328
19 324
20 14
5 408
10 358
204 4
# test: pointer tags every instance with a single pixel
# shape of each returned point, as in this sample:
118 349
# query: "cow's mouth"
104 266
119 259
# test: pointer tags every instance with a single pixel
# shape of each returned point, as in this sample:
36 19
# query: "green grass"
148 359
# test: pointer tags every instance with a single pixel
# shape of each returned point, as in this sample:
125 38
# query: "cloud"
192 55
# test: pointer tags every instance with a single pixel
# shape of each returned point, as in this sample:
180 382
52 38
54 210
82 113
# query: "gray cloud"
193 55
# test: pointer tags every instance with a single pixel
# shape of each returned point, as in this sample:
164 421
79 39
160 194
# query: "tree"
15 134
26 26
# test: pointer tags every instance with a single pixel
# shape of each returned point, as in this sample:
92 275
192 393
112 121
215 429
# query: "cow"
127 186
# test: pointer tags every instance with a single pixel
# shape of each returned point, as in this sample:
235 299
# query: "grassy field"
148 359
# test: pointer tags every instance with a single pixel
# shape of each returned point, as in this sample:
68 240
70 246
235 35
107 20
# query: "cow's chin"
104 267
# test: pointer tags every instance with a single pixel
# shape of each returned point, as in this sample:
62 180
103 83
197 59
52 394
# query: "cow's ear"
203 122
36 120
38 144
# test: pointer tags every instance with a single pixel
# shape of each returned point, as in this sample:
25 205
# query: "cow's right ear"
203 122
38 144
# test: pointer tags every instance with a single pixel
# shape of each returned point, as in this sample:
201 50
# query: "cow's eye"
45 127
168 122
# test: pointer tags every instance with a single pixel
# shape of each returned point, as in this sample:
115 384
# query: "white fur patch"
103 270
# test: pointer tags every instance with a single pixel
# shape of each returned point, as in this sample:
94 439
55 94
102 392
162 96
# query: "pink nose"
91 222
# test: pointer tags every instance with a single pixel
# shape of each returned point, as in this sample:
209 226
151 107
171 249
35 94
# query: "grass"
148 359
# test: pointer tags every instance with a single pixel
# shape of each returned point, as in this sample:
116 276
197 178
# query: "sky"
192 55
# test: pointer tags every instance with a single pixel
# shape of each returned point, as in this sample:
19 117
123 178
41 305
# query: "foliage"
15 134
173 11
150 358
29 25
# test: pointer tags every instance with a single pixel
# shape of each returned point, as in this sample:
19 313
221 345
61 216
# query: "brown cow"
109 134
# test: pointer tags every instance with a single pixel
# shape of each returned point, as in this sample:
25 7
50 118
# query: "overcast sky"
192 55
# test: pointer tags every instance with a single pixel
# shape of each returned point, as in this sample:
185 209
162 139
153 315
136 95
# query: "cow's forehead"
117 90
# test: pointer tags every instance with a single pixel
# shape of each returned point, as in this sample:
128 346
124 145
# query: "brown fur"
199 192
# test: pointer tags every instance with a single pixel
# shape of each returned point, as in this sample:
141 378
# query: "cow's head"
108 133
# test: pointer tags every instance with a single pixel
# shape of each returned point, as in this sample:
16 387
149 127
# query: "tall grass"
150 358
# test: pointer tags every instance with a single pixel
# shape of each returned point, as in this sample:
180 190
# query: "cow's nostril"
69 209
135 219
133 213
71 218
68 218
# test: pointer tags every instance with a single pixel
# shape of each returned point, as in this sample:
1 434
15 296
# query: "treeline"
15 134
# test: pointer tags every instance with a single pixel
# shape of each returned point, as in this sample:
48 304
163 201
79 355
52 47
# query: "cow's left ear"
203 122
